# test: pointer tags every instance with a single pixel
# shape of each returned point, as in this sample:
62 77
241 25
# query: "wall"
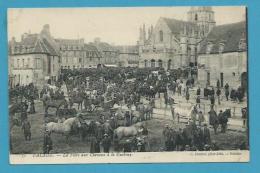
232 65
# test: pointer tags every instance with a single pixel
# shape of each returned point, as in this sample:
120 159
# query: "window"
38 63
80 60
23 63
161 35
160 64
152 63
66 59
145 63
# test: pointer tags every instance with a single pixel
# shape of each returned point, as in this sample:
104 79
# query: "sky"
119 26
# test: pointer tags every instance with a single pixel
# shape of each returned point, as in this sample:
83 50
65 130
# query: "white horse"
64 127
127 131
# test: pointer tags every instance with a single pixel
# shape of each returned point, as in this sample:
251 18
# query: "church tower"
203 17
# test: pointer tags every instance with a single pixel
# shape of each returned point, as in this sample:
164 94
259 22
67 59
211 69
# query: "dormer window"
209 47
221 47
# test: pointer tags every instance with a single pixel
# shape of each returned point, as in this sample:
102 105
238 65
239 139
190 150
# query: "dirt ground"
229 140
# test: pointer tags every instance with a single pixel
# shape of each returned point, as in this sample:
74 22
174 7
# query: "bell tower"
203 17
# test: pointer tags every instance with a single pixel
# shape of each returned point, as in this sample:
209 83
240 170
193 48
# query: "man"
167 137
179 140
226 91
218 95
106 143
187 95
198 101
206 134
213 119
198 91
223 119
47 143
201 117
26 126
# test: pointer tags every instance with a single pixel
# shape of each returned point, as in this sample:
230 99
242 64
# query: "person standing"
223 119
187 95
47 143
26 126
226 91
218 95
106 143
206 135
167 137
198 91
198 101
213 119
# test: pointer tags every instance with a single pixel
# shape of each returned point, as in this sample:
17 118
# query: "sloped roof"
176 26
33 43
229 34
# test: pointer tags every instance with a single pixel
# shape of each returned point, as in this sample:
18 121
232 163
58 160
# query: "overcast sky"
118 26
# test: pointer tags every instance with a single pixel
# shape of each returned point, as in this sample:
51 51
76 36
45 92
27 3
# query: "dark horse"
54 104
78 100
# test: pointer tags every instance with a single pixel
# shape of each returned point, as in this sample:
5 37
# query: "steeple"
203 17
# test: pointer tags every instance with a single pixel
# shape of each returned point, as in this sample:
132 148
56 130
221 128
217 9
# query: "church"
173 43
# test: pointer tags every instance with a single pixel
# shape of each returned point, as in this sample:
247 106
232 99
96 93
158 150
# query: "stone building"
174 43
76 54
107 51
128 56
34 59
223 56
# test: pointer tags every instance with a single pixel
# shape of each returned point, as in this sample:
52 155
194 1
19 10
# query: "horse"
63 128
79 100
130 131
48 102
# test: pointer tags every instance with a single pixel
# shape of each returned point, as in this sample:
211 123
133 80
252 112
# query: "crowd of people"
129 87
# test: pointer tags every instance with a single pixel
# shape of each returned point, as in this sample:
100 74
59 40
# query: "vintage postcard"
128 85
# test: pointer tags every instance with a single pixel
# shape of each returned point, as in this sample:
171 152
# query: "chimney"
46 30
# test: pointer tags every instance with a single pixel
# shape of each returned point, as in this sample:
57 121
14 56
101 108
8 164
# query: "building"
34 59
128 56
39 57
108 52
76 54
223 56
175 43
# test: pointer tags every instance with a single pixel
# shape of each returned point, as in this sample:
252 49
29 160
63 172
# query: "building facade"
34 59
223 56
76 54
174 43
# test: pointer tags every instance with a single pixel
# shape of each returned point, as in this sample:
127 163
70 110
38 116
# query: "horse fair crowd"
117 102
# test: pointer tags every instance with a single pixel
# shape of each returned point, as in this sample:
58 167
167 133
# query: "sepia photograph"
128 84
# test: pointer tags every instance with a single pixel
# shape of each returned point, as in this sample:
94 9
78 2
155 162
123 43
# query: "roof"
103 46
69 41
33 43
229 34
176 26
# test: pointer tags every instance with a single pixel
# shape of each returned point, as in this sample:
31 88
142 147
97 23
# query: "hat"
220 111
105 134
139 144
205 124
166 125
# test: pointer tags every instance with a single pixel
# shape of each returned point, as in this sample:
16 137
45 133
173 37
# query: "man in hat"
213 119
47 142
106 143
